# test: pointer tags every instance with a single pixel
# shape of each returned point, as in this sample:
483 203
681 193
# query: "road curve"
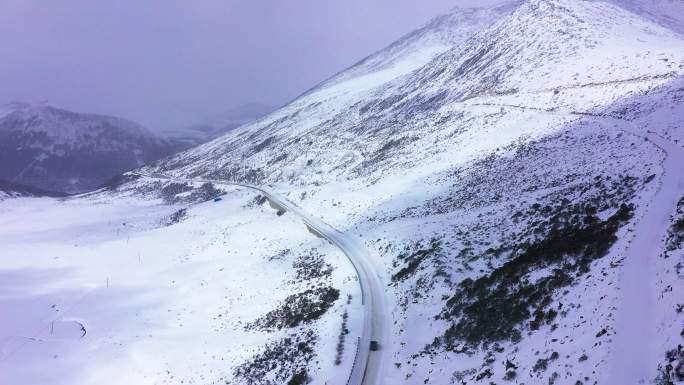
367 365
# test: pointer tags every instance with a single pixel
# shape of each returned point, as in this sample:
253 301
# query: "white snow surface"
445 157
101 292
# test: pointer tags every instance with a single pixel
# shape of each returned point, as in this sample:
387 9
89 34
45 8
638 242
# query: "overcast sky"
176 62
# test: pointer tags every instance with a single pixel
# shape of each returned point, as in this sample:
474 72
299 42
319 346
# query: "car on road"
374 346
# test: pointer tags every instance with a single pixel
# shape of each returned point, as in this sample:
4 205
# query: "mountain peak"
416 48
549 44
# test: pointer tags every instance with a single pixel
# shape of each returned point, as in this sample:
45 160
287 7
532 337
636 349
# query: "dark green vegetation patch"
496 306
285 358
299 308
675 236
413 259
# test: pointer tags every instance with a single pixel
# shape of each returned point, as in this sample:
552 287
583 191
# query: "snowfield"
109 292
514 173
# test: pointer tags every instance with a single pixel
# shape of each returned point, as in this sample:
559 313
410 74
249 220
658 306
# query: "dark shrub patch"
206 192
510 375
541 365
310 266
277 159
299 378
671 371
261 146
413 260
675 236
177 217
495 306
170 191
299 308
258 200
285 358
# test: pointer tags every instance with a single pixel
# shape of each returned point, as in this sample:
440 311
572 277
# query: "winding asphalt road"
367 364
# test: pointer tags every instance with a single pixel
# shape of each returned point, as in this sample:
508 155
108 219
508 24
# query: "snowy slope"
511 185
602 53
60 150
418 47
462 171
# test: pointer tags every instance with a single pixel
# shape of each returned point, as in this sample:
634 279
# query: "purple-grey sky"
176 62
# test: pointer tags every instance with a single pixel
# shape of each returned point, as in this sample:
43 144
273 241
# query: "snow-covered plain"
511 182
99 291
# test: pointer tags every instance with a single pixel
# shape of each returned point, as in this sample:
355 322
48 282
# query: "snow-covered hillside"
669 13
60 150
516 176
497 181
418 47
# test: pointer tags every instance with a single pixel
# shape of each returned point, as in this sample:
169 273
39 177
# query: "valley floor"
112 291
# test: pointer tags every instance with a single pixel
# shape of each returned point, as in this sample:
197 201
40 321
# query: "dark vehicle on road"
374 346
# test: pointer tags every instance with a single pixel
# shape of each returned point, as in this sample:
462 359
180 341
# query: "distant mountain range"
59 150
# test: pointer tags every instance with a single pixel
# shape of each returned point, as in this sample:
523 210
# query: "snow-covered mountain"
669 13
545 52
60 150
418 47
513 172
461 165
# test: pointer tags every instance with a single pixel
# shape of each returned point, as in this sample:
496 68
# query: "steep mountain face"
60 150
512 185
